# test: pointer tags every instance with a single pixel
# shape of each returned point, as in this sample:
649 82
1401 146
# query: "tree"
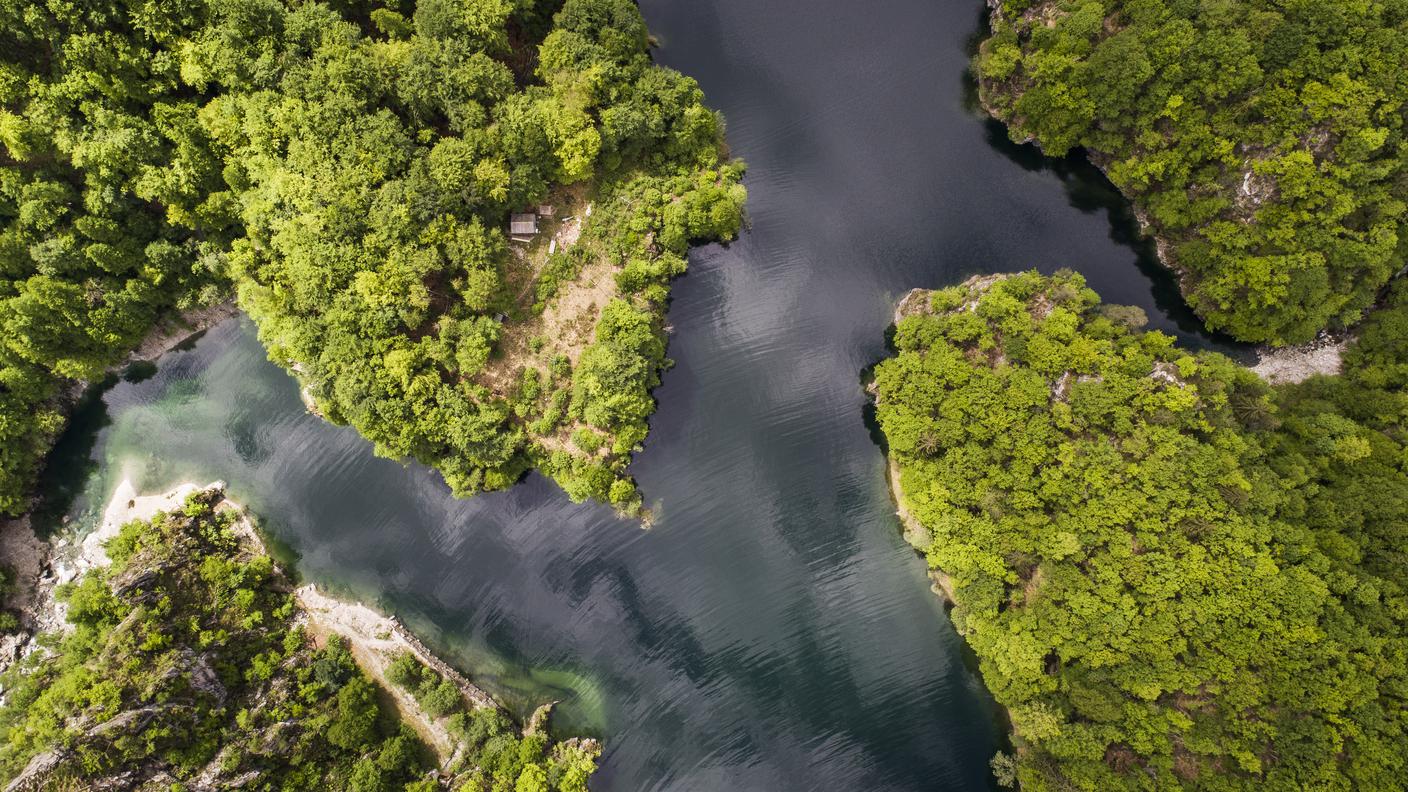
1140 542
1262 142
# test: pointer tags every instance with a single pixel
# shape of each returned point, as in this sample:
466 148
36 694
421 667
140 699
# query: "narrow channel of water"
772 631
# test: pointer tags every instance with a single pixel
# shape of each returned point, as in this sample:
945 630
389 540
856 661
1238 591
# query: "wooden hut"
523 224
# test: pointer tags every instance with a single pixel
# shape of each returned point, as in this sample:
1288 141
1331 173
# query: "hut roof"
525 223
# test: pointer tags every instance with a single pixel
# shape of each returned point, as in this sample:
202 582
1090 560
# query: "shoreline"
169 332
64 560
914 532
374 639
30 558
1163 252
176 329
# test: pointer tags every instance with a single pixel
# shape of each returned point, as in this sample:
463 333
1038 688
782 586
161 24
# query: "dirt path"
375 641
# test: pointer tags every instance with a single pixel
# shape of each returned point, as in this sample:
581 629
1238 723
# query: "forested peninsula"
1173 575
1262 142
349 171
190 663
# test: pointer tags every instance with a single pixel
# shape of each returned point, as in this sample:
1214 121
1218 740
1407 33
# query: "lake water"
772 631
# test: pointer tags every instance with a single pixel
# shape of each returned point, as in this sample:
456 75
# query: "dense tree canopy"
380 171
1262 140
1172 574
350 168
111 209
186 661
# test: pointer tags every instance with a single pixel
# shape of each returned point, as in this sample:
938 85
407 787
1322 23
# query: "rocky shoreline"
169 333
1163 249
374 639
64 561
31 559
1284 365
377 644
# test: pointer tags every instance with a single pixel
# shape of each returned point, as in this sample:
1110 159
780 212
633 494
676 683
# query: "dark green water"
772 631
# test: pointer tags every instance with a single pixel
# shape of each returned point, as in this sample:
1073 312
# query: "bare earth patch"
171 331
1300 363
566 326
567 323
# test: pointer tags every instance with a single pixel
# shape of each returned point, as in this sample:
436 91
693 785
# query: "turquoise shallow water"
772 631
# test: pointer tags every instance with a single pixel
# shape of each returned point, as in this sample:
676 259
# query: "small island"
188 660
1173 574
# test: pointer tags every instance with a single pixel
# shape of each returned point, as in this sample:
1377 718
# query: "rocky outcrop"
1283 365
28 556
187 676
25 557
917 301
38 772
40 567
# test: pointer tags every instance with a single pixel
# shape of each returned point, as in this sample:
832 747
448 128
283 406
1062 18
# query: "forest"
1173 575
186 663
1261 141
348 170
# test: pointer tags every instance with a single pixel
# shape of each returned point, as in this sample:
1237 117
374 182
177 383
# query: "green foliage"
1263 140
112 208
1173 575
183 656
493 754
378 197
350 171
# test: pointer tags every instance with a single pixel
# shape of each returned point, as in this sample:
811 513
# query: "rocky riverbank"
374 640
40 567
205 648
1283 365
30 559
